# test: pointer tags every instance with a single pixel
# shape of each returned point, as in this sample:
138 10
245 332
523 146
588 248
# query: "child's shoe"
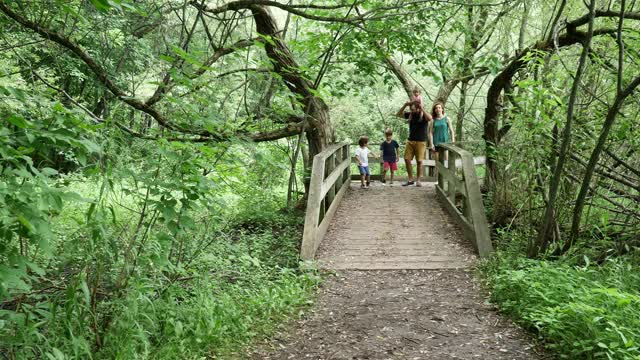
362 186
368 183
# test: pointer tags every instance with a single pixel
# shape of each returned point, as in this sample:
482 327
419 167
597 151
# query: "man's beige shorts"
415 148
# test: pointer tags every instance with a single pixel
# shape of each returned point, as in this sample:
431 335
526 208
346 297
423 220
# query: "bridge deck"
393 227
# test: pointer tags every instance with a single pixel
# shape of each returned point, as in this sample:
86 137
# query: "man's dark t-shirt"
389 150
417 126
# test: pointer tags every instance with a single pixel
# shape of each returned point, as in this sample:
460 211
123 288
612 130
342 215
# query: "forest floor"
398 314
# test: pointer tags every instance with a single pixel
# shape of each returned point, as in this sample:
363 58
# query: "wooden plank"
449 176
329 150
407 245
444 171
417 234
477 221
327 193
476 208
451 179
396 266
370 251
394 258
309 235
316 202
467 229
333 177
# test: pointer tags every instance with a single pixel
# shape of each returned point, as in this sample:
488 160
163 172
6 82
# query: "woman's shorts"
438 147
364 170
393 165
415 148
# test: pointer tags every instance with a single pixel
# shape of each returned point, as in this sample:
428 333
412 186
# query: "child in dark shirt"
390 154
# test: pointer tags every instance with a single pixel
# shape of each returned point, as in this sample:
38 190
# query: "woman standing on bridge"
440 130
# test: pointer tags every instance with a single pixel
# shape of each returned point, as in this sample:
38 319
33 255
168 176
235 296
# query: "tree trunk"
320 132
445 90
461 110
593 161
541 242
396 69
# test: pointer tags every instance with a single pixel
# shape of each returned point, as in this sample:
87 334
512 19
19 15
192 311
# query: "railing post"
430 170
441 161
451 187
476 208
327 185
336 162
472 217
331 164
347 172
315 209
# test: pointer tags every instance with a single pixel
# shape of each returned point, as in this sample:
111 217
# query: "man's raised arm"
400 113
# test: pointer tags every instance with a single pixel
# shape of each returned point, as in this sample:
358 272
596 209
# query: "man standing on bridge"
416 145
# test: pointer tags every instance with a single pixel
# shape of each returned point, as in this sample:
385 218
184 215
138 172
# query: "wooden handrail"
428 165
330 178
450 187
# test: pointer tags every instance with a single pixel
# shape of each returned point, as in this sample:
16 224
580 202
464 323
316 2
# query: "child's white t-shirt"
363 155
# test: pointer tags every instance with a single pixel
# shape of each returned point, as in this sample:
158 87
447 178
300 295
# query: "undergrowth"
239 289
587 311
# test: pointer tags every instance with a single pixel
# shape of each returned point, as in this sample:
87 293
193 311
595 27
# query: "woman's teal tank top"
440 131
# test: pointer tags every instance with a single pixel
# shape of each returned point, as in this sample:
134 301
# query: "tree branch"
98 70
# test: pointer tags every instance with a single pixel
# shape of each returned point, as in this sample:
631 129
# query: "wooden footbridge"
387 227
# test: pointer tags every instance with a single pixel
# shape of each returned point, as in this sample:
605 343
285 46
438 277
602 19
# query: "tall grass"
238 287
582 312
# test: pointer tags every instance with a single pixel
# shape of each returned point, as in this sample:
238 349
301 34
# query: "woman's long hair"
433 109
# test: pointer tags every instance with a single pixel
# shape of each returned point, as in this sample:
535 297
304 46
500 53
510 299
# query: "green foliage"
37 144
582 312
208 301
234 293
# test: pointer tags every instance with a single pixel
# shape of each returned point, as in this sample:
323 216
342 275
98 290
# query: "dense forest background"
153 160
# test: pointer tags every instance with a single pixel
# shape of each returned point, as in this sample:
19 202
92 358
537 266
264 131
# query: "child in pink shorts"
390 155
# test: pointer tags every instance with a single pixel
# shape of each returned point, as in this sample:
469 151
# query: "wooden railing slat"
312 214
330 178
333 177
476 208
472 217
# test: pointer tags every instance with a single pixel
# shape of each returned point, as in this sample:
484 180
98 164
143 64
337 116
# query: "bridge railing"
459 190
428 164
330 178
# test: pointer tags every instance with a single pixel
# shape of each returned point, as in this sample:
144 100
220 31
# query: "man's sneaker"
408 183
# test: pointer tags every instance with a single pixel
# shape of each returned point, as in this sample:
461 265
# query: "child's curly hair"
363 141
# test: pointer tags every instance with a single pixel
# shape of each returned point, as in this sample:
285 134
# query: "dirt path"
433 309
400 314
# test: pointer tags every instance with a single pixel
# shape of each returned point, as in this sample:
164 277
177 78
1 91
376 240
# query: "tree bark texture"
320 132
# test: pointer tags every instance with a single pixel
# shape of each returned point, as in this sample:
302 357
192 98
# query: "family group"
434 127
